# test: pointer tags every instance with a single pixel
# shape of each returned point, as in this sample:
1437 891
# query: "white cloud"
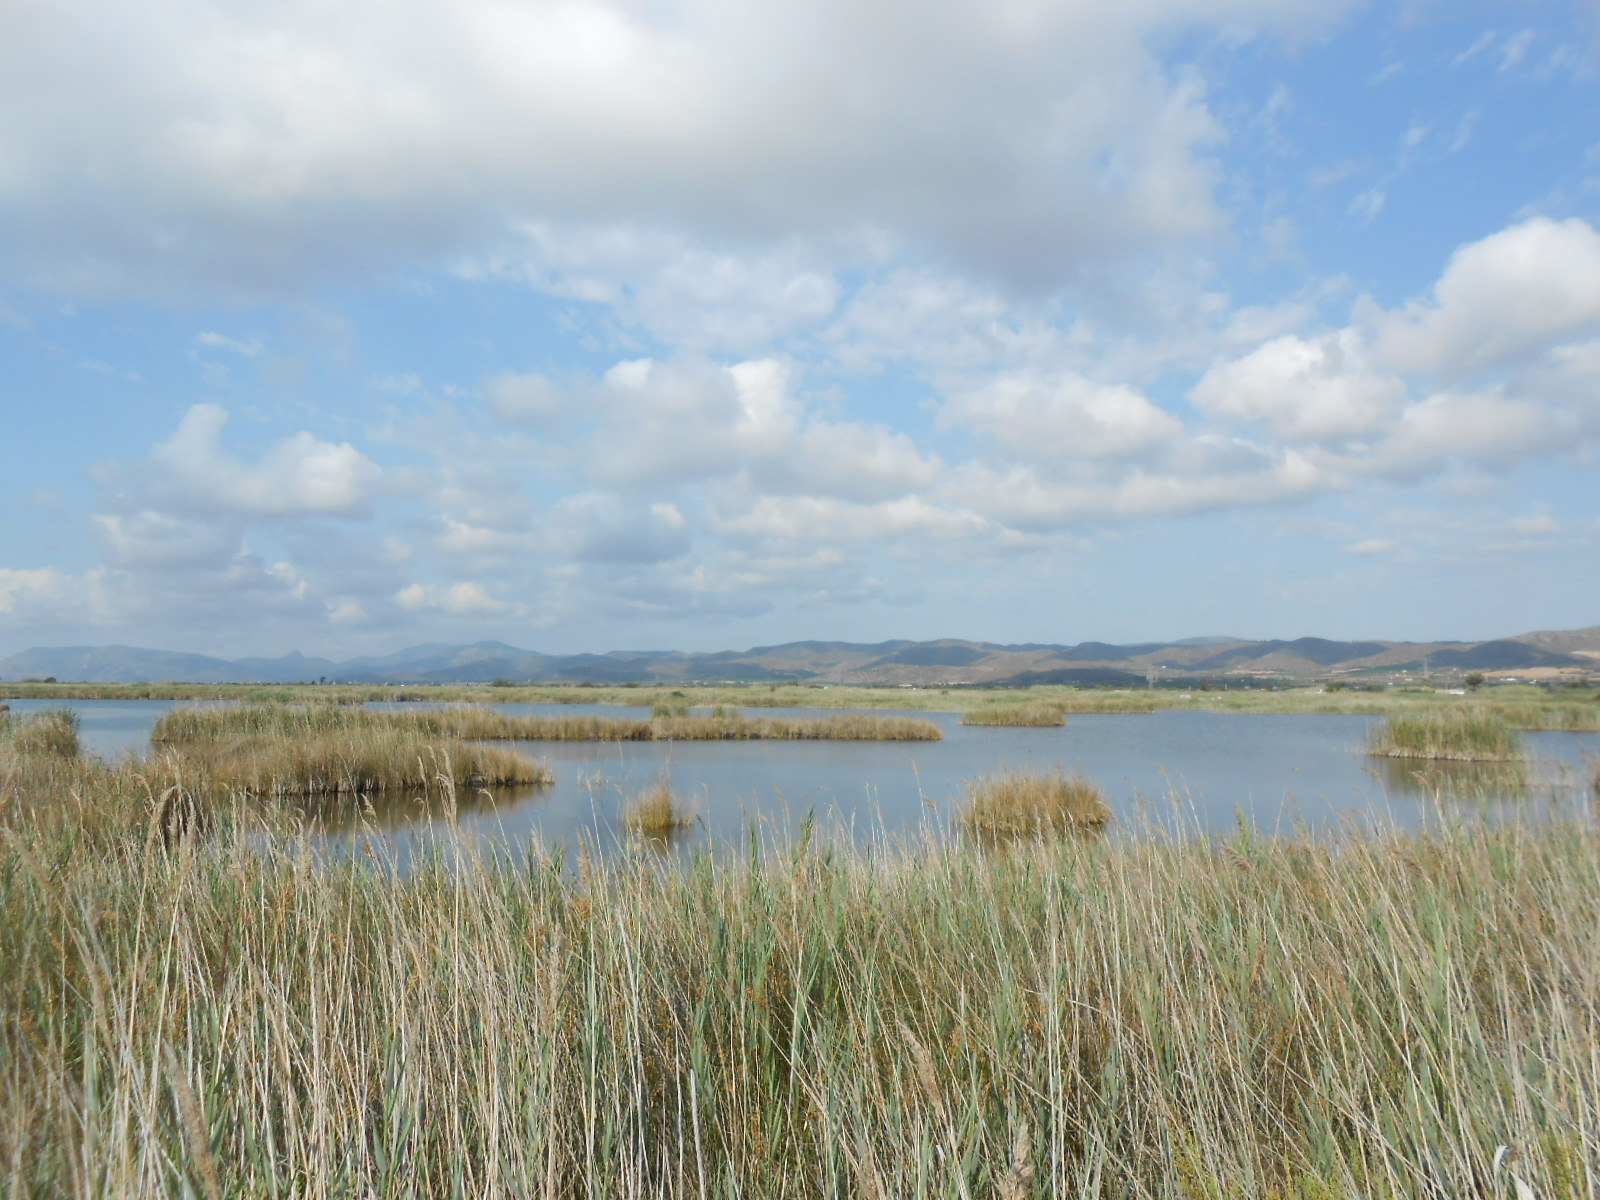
1024 498
461 598
299 476
246 347
531 398
1303 388
598 527
1508 296
824 518
31 589
1371 548
296 140
1536 525
157 540
1062 415
1486 428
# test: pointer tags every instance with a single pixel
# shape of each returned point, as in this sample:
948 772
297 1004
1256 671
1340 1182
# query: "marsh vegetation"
1358 1016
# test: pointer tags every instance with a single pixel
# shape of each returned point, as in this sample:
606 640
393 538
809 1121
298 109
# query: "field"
192 1012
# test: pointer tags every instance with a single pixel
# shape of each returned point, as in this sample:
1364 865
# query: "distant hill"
946 661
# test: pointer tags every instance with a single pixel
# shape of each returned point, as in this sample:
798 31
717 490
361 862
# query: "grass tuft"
656 812
1010 805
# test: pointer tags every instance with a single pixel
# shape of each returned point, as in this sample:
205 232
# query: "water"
1206 770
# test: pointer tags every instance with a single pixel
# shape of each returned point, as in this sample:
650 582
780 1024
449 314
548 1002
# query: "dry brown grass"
1013 805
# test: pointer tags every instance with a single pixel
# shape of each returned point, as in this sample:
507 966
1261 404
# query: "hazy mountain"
946 661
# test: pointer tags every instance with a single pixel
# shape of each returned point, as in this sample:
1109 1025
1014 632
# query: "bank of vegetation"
1146 1016
485 723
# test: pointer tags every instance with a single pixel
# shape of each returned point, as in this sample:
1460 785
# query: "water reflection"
389 811
1481 782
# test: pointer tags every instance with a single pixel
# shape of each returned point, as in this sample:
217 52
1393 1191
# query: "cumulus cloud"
1062 415
299 476
1501 299
1312 388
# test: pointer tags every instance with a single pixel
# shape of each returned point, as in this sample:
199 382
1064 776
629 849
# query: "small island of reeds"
1459 735
1014 805
656 812
1040 713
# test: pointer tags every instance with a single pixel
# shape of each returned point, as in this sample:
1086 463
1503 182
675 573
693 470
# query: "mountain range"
947 661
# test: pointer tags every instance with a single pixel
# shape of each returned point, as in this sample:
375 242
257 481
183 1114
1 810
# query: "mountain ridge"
896 661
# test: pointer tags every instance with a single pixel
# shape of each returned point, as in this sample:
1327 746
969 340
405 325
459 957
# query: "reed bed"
1014 805
1043 714
1369 1016
474 723
1469 735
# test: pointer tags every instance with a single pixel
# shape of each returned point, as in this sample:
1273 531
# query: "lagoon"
1207 771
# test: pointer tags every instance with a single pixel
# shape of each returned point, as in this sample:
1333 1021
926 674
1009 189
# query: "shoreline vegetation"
1525 707
481 723
207 1010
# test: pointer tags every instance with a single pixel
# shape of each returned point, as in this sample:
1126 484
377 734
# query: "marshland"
1140 954
212 1011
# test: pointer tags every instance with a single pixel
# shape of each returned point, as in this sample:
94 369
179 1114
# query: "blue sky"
702 324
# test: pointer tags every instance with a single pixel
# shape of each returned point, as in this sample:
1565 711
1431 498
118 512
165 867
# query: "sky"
345 325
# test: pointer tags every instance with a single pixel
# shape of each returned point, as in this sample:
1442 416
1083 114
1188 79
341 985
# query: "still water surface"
1207 770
